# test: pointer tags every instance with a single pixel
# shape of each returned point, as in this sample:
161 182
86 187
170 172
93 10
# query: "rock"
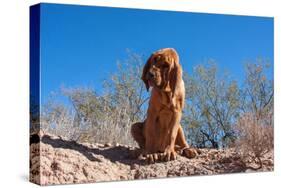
100 145
226 160
134 166
268 162
249 170
41 133
123 177
107 145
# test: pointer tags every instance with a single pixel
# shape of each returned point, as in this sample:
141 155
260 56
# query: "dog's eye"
156 59
165 65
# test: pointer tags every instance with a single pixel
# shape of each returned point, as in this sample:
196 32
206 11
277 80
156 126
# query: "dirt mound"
65 162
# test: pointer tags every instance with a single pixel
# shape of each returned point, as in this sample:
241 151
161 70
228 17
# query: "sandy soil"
60 161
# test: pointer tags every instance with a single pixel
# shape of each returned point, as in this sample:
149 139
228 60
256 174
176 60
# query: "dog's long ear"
175 75
145 70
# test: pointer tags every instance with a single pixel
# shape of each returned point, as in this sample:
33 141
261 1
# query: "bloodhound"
161 136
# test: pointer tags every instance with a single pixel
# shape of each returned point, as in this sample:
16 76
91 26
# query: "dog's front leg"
173 127
151 147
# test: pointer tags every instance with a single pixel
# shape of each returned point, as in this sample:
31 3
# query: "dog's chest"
163 108
162 101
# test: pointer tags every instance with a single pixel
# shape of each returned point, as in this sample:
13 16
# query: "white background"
14 84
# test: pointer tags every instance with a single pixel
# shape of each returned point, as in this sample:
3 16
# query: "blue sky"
81 44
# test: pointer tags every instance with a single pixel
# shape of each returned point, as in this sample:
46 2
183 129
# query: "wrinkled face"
158 72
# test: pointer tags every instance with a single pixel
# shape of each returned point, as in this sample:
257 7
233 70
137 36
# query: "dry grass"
256 137
112 127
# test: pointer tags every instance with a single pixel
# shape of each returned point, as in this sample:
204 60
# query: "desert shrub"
215 102
58 119
98 119
255 125
256 137
104 117
257 94
211 108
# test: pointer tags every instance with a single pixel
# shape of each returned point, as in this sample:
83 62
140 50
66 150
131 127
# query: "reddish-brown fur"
161 136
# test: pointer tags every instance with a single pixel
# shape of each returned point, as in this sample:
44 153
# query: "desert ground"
56 160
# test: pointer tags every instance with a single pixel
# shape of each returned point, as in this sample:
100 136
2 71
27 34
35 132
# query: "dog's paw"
189 153
153 157
168 155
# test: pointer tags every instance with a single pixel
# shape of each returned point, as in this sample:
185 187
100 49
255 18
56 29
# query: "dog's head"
162 70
